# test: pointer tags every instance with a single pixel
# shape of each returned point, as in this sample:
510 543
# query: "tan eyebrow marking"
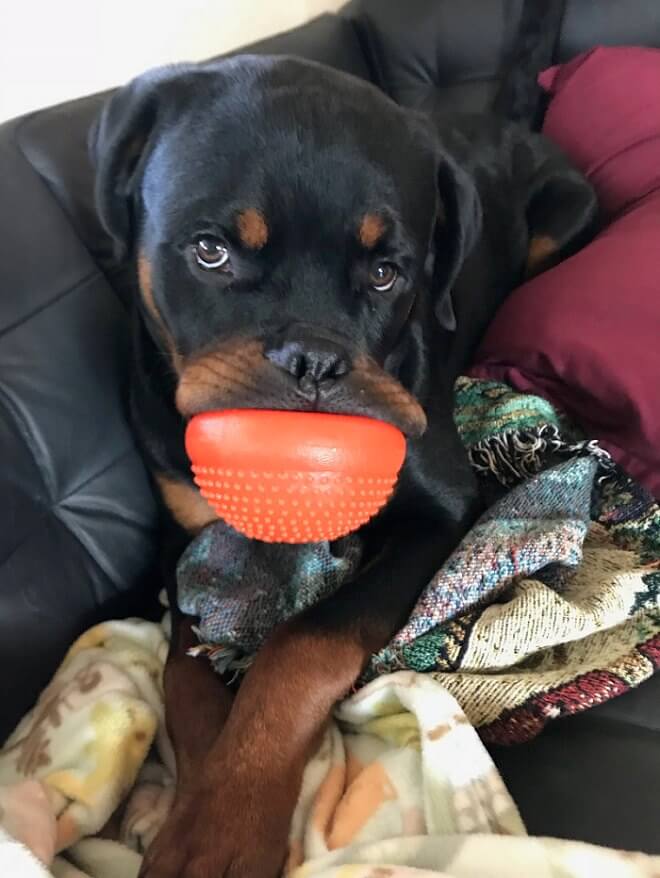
371 231
252 228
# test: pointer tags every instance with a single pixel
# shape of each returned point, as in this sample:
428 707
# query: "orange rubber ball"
294 477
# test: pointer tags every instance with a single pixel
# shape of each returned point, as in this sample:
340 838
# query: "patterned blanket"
401 784
551 603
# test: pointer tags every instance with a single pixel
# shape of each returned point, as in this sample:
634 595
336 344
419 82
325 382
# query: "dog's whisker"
234 386
226 375
268 382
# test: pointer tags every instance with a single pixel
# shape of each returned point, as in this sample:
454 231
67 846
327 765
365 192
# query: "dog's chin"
238 376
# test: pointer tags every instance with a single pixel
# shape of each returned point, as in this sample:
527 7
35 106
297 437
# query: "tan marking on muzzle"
371 230
147 293
397 404
212 380
236 374
252 228
186 504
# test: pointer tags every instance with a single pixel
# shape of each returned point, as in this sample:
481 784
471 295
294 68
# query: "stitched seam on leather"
18 418
368 39
96 272
97 559
44 183
363 44
81 487
79 534
26 434
6 330
52 506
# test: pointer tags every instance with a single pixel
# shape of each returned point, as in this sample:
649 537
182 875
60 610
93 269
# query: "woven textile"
551 603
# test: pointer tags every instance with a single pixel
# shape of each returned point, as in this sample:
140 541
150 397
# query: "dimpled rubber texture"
294 477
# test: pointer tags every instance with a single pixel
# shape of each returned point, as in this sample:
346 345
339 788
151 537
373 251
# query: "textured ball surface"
294 477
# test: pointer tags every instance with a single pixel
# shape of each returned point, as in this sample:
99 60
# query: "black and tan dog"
301 242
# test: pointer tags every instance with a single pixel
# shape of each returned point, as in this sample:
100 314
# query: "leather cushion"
447 54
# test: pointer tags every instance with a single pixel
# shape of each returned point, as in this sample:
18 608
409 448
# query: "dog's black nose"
315 363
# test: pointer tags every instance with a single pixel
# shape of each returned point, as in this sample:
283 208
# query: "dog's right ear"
118 145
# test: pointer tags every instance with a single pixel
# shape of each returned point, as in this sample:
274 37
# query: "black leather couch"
77 534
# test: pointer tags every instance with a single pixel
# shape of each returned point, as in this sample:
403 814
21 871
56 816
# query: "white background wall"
52 50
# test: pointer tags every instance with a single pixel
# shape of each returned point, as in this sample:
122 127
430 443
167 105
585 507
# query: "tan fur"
540 249
234 369
373 383
371 231
252 228
146 289
186 504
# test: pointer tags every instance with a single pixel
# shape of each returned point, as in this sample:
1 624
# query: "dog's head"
290 224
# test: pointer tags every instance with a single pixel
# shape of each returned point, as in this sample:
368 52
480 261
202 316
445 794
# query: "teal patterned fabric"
241 590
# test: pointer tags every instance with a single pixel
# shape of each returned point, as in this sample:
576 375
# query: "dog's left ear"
118 144
458 226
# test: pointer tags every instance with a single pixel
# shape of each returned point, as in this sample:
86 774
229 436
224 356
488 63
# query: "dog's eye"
382 276
211 253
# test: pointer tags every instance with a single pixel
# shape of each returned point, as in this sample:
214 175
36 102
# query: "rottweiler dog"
302 242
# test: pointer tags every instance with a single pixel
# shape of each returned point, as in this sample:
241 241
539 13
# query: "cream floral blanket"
401 784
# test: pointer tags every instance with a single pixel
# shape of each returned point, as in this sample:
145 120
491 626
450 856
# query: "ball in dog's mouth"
294 477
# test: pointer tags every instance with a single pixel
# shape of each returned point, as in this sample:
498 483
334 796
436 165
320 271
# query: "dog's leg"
197 701
236 819
197 704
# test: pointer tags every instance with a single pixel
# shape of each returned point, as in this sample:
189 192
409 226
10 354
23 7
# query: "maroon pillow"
586 334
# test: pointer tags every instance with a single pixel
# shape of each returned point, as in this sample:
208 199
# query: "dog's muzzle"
295 374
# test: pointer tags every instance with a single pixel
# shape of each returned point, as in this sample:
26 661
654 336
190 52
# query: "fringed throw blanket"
551 604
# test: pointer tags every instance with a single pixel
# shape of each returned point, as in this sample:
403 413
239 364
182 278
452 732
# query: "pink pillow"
586 334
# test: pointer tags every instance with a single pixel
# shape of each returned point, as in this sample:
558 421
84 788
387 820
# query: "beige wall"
52 50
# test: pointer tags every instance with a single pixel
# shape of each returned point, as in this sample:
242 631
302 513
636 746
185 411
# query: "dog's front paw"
222 831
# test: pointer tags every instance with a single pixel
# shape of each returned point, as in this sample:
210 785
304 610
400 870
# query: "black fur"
454 203
181 150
